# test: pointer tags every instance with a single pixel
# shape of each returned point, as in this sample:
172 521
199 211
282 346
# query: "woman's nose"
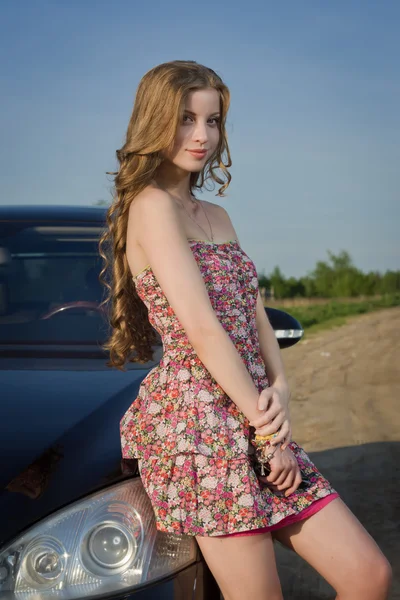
200 133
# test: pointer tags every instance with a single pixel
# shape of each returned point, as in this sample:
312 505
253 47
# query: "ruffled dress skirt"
196 495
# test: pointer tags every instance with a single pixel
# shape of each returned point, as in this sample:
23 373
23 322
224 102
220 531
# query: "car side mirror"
288 330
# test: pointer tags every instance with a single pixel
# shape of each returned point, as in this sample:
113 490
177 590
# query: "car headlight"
104 543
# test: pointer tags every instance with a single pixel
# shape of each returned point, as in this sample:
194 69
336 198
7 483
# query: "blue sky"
313 128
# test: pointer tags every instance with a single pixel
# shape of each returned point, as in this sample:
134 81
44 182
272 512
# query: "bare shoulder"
219 210
222 219
150 208
148 198
213 206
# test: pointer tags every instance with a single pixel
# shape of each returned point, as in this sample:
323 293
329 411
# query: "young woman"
178 268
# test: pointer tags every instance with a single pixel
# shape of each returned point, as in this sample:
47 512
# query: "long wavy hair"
156 116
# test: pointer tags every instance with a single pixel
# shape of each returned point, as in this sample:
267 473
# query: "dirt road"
345 411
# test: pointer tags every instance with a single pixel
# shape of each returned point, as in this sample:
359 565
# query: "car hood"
59 435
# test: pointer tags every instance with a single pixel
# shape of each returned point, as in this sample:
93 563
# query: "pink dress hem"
307 512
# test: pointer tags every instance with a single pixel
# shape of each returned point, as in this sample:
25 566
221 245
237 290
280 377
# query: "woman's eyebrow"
190 112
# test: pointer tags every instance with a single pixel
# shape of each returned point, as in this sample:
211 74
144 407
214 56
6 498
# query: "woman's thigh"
335 543
243 566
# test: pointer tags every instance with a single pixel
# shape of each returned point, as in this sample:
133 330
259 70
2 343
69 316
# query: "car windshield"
49 287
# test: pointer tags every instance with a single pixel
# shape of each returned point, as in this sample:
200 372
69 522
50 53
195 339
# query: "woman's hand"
285 472
275 401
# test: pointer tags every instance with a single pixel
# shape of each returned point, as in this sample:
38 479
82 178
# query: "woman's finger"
272 487
287 440
282 434
264 399
265 418
273 411
263 479
271 427
261 422
288 482
277 475
274 474
283 477
296 483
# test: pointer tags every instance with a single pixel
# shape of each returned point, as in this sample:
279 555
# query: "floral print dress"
191 439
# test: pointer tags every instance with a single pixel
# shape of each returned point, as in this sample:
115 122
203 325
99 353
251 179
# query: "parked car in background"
75 520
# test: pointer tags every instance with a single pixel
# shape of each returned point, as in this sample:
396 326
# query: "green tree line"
335 278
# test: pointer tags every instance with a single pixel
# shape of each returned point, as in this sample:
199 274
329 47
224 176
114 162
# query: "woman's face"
199 130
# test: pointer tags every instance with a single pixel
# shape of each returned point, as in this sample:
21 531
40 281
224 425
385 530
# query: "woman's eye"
215 119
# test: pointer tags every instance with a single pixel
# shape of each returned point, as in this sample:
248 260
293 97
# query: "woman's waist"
149 435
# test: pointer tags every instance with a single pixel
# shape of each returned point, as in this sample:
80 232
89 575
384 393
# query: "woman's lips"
198 153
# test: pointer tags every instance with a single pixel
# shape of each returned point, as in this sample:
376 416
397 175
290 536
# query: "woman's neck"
175 181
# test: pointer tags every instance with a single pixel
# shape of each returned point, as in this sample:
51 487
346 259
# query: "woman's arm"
161 235
274 400
270 350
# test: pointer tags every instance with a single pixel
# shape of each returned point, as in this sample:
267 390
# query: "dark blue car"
75 521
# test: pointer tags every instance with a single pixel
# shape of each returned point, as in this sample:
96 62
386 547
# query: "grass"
320 317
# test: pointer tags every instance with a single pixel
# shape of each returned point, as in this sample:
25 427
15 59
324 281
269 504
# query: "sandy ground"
345 412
